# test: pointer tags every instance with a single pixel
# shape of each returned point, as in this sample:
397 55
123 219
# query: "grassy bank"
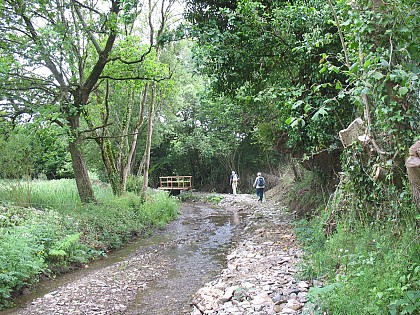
365 267
366 270
44 229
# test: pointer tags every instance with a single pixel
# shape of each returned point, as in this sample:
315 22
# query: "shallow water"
193 262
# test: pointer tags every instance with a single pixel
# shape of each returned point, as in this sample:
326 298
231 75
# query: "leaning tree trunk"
131 154
413 170
81 175
110 168
149 142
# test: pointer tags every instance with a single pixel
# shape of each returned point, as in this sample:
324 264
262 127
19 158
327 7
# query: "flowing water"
195 245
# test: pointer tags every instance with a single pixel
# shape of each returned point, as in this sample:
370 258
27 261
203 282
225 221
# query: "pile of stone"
260 277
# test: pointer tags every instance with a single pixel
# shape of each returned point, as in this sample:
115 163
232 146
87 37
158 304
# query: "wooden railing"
175 182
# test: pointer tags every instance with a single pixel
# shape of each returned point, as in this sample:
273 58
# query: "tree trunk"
149 142
413 169
111 171
81 175
131 154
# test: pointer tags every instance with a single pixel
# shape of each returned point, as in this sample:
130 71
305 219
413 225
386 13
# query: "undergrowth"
56 232
366 264
307 194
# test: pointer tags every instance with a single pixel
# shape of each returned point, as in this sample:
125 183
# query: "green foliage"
32 150
214 199
134 184
382 81
64 247
186 196
57 194
18 156
158 210
409 304
366 269
366 198
20 260
263 57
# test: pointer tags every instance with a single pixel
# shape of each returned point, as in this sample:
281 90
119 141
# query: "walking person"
234 178
259 184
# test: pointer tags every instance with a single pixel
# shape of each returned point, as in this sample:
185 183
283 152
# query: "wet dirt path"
158 276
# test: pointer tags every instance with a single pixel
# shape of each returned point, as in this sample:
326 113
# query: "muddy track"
236 258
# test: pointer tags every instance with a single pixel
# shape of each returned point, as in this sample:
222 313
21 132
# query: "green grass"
369 265
54 231
367 270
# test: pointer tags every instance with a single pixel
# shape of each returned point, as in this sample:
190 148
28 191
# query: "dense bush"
20 259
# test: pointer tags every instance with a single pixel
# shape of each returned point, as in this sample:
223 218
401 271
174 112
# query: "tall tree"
265 55
127 99
56 53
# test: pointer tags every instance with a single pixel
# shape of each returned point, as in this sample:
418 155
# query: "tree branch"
136 78
86 29
102 58
343 43
48 62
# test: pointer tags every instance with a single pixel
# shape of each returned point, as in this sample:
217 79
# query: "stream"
192 248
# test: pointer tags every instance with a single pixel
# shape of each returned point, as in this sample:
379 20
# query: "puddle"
195 246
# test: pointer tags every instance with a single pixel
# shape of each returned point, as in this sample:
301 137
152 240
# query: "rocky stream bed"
240 257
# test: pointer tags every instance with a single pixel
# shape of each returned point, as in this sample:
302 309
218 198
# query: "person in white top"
259 184
234 178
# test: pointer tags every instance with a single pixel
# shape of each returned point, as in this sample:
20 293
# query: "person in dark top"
259 184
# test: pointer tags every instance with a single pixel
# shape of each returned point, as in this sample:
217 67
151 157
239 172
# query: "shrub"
21 260
134 184
159 209
214 199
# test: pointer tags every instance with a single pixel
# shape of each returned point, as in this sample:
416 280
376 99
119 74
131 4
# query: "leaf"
384 63
57 253
297 104
307 108
377 75
321 111
402 90
294 123
365 91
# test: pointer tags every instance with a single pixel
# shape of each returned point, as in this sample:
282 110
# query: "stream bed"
157 274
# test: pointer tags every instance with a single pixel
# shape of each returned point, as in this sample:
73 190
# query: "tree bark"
149 142
128 167
81 175
413 170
